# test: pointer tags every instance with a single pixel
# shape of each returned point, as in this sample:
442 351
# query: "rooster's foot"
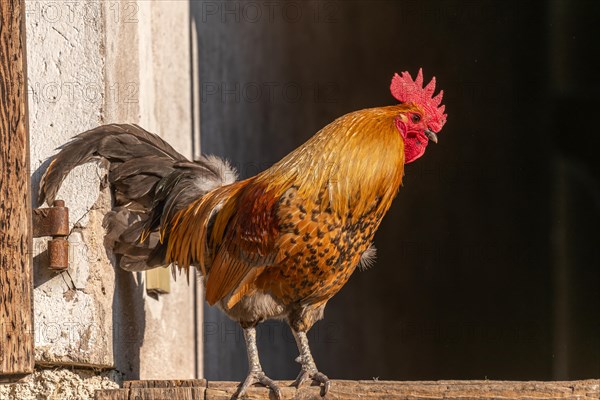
258 377
309 369
315 375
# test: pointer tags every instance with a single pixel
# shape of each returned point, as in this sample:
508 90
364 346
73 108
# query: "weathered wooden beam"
350 390
112 394
170 393
16 314
197 383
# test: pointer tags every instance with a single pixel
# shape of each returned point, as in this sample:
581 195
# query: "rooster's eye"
415 118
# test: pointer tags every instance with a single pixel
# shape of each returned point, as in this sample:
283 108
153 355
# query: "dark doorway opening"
488 261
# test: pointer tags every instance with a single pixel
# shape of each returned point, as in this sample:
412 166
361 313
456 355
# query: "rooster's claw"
315 376
258 377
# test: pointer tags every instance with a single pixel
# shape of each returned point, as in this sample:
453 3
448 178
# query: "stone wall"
60 383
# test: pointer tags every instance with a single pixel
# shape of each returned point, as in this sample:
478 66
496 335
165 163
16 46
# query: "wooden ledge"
200 389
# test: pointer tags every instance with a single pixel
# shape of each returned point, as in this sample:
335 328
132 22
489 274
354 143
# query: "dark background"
488 262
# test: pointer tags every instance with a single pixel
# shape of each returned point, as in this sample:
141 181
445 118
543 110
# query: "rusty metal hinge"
54 222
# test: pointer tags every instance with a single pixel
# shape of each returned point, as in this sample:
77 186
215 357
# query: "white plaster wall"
73 318
90 63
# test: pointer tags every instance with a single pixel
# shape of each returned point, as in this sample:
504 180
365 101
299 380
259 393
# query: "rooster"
278 245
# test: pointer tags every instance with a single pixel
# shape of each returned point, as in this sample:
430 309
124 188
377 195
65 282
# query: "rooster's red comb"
405 90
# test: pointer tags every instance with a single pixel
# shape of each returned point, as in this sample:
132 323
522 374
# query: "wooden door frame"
16 277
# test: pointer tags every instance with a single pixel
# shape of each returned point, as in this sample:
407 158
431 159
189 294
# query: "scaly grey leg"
309 368
255 373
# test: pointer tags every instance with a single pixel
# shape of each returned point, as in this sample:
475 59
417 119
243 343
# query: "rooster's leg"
255 374
309 368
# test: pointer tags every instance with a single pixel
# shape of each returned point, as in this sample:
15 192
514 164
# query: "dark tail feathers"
150 181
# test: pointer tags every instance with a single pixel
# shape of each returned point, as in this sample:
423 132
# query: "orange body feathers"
297 230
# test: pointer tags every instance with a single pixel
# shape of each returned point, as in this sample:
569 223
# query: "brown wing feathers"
248 243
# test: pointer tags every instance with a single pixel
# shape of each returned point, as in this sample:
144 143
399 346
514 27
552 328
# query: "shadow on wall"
129 322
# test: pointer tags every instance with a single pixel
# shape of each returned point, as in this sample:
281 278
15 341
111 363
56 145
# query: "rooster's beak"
431 136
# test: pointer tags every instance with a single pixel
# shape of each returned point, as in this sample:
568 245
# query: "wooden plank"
112 394
200 383
167 393
16 313
171 393
225 390
350 390
457 390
